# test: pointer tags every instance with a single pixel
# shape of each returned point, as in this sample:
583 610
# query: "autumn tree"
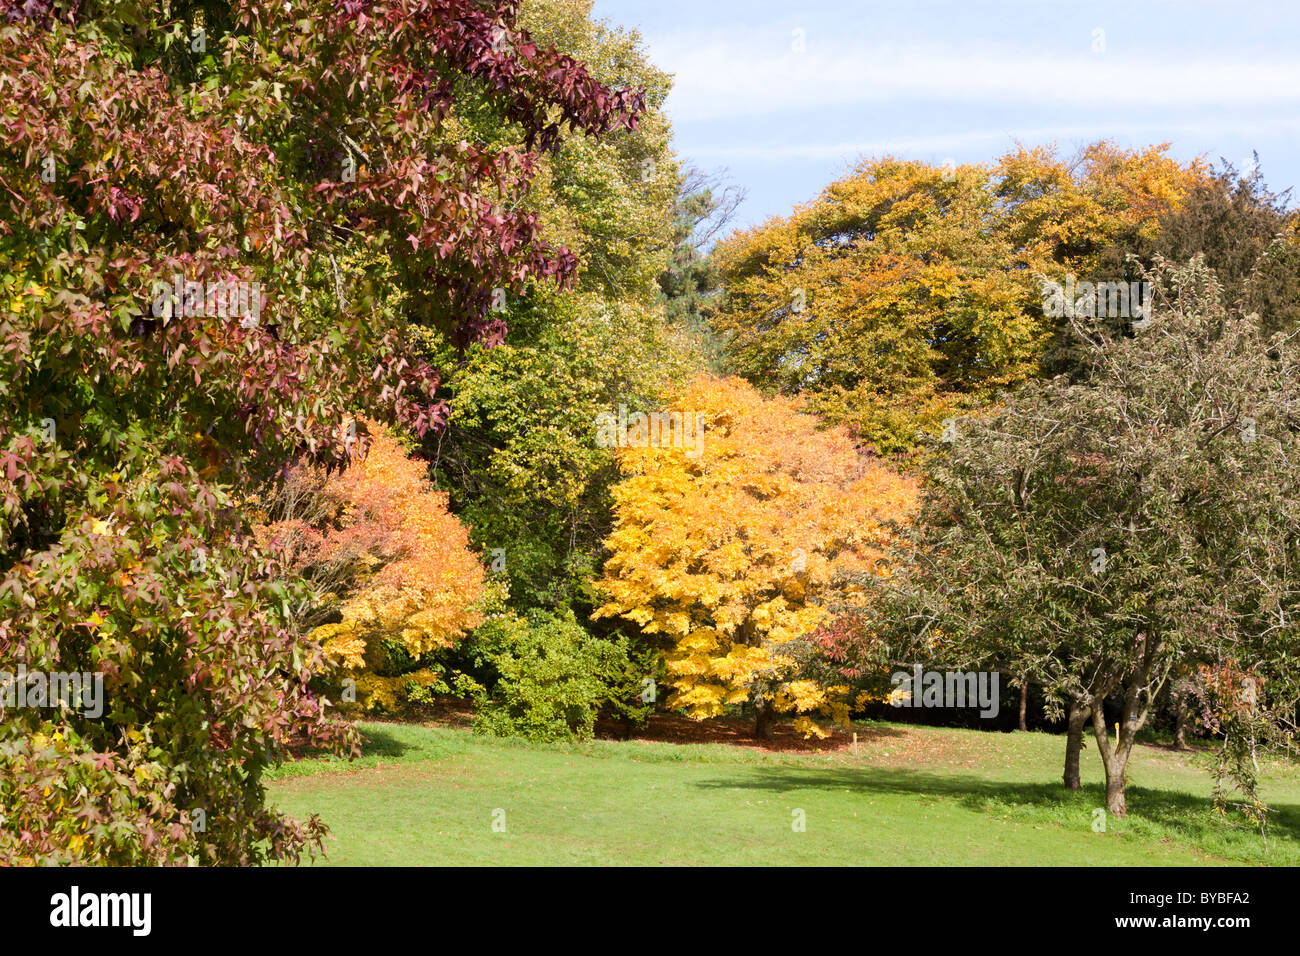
391 567
222 145
725 549
906 292
1100 536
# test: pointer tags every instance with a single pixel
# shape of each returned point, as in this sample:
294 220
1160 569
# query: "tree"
1247 234
552 677
254 147
907 292
391 566
1099 536
703 208
727 546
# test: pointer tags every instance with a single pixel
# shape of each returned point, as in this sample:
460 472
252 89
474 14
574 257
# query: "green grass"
911 795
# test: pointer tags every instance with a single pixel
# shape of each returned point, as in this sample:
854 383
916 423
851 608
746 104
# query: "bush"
553 677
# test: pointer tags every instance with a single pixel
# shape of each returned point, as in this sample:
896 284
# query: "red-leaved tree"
153 161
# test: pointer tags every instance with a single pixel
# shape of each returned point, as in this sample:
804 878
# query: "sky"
788 96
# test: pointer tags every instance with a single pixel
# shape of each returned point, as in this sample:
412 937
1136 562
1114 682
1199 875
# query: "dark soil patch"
738 732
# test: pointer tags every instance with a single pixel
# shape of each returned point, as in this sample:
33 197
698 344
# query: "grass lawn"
426 795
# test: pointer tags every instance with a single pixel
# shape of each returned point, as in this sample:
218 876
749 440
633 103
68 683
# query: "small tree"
553 677
1097 537
388 561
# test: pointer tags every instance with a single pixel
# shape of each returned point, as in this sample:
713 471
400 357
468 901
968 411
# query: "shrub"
553 676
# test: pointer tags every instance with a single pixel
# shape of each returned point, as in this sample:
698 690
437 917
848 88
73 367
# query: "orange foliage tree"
730 547
392 566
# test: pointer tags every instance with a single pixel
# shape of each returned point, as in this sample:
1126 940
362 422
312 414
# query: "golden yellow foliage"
730 551
907 292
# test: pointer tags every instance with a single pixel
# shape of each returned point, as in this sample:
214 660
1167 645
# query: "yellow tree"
731 528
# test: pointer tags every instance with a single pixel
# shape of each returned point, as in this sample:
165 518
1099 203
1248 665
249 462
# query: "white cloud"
999 139
756 73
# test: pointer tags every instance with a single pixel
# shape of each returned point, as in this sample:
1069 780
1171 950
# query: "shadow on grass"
739 732
1172 809
376 742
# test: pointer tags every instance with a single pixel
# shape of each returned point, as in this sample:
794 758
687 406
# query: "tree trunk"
1181 715
1115 803
763 714
1114 759
1024 702
1075 716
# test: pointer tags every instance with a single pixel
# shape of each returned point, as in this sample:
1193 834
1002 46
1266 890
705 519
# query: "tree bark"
1115 759
1024 702
1139 696
1116 805
1076 716
1181 715
763 714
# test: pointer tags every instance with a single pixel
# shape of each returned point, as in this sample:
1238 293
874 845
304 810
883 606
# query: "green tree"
520 456
1099 536
703 208
553 678
1247 234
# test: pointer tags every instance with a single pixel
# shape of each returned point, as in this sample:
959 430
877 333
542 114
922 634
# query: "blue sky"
788 95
